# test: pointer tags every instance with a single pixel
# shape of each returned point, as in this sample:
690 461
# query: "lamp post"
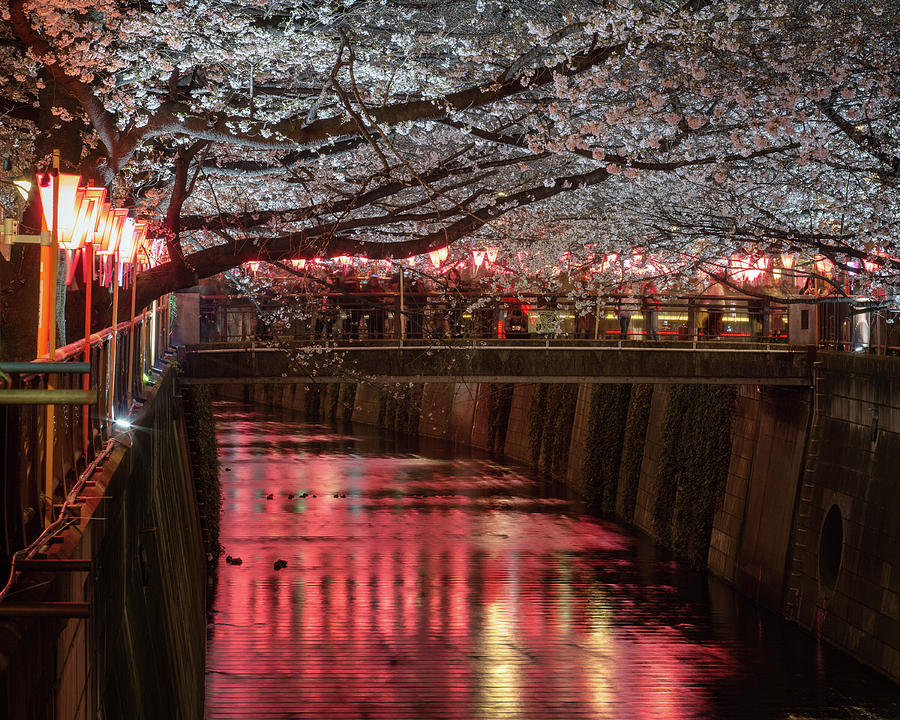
139 237
78 220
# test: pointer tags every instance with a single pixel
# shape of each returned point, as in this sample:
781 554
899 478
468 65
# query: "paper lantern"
112 230
69 201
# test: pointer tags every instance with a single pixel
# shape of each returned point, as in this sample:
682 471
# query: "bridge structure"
497 361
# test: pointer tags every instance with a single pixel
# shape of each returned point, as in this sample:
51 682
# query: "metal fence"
50 435
849 324
416 315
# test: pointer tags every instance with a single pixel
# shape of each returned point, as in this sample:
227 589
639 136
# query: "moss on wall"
537 415
314 401
603 452
693 467
205 455
347 401
550 420
400 408
499 406
633 449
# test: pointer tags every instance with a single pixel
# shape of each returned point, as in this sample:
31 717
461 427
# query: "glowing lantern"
438 256
760 268
89 215
298 264
134 234
343 259
822 265
127 241
67 210
788 260
492 254
478 257
870 266
112 231
253 265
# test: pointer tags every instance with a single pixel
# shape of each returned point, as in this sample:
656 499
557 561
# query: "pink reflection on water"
434 589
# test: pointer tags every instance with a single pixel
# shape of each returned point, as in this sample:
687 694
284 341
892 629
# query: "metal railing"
38 468
839 324
456 315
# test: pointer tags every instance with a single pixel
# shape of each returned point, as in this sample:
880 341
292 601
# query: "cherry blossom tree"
274 130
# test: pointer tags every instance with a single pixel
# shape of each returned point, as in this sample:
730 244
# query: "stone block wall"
579 441
149 592
141 653
762 567
729 520
845 584
754 520
648 486
518 442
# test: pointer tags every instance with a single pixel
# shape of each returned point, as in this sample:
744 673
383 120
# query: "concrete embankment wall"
737 479
141 653
845 576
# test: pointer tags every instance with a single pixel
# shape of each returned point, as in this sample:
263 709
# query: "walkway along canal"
432 584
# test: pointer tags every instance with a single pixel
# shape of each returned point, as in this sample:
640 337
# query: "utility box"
803 323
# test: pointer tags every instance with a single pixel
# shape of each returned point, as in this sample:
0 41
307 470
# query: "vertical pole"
43 339
48 311
88 260
111 395
402 308
692 320
153 331
131 339
597 319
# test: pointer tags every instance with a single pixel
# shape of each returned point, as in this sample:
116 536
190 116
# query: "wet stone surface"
422 585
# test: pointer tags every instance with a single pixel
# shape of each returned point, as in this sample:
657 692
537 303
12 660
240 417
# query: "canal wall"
741 480
141 651
845 570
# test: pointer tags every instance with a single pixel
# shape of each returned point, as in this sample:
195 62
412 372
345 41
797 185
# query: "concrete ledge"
497 364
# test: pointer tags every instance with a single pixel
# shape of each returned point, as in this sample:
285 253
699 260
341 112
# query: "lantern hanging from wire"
438 256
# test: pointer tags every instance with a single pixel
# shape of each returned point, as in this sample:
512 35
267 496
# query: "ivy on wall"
313 401
604 441
347 400
202 439
550 420
696 453
332 394
400 408
499 405
537 415
633 447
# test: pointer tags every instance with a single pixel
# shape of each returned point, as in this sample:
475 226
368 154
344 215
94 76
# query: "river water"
440 584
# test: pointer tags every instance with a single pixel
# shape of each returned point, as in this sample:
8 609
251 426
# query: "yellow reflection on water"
600 661
500 691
